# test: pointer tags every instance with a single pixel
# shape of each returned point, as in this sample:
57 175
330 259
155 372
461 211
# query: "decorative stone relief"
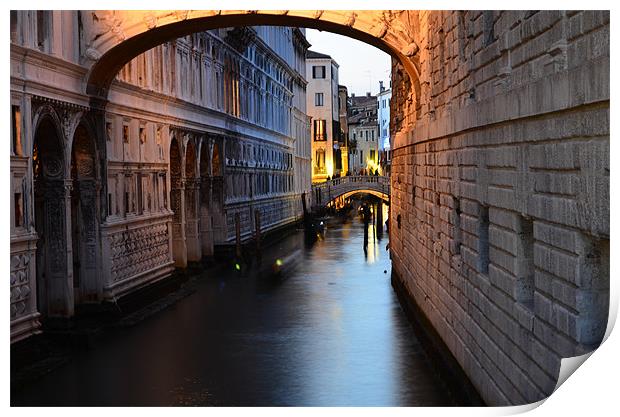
175 204
55 232
21 288
83 152
150 20
380 29
105 21
181 14
400 24
139 250
88 208
52 167
70 119
190 196
349 18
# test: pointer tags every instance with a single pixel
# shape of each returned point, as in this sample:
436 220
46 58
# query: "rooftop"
313 54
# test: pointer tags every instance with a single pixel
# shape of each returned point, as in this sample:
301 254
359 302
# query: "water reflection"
322 327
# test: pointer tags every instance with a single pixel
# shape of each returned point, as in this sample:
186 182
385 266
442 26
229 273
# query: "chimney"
352 94
381 87
368 94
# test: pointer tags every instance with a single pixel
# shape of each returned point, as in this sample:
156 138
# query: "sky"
361 66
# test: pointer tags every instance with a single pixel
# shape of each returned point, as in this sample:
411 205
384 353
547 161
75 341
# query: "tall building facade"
343 107
199 134
383 119
363 134
322 107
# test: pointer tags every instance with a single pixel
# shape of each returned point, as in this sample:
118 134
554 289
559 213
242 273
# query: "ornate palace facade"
198 134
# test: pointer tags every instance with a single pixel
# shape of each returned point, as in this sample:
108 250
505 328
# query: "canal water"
314 324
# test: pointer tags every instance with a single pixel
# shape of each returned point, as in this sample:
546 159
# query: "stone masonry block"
559 264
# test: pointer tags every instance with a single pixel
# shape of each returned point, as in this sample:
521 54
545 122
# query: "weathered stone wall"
500 192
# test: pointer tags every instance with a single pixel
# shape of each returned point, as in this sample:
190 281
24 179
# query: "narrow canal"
327 331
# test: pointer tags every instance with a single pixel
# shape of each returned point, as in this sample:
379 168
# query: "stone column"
56 278
192 235
177 204
206 231
89 286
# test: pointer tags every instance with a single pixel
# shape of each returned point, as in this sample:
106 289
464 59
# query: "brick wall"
502 188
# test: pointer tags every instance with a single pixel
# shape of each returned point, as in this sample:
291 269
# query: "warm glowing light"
279 262
372 166
238 267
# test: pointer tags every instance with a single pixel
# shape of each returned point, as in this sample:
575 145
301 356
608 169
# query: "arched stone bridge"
111 38
327 191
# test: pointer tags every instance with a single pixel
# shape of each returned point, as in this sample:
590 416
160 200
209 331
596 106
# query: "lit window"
16 130
320 158
320 133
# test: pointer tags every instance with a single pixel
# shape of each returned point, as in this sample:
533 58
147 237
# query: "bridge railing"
324 191
380 179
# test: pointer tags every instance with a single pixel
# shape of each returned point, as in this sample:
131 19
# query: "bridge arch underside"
385 197
123 35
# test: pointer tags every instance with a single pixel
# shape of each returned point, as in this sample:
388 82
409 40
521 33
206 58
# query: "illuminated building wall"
322 107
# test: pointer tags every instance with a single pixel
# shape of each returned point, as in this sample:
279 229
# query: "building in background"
363 134
199 134
322 107
383 119
300 121
343 106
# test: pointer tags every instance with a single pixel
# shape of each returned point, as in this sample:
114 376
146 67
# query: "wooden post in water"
257 235
303 204
380 217
238 235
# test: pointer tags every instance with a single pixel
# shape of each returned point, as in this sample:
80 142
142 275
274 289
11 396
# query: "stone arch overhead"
176 144
381 195
87 124
66 118
191 157
114 37
90 143
47 113
204 157
216 158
